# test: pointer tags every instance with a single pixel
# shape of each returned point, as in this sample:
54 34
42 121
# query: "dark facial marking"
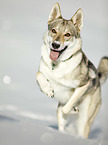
54 31
94 82
99 74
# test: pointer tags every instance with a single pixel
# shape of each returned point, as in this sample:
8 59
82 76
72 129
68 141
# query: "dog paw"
75 109
51 93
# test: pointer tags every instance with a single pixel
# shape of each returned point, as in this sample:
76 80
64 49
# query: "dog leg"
88 109
62 118
44 84
75 98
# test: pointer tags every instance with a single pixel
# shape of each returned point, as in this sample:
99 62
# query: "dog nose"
55 45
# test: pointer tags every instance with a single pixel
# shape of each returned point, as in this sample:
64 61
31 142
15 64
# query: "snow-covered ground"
22 106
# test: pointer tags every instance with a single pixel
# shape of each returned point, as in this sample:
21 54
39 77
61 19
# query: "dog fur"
66 73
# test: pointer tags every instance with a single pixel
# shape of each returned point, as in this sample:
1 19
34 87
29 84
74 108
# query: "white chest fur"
62 72
60 77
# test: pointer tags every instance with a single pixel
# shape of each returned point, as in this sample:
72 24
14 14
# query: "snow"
6 80
26 114
24 133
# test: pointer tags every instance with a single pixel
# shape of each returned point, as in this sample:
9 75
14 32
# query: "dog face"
63 33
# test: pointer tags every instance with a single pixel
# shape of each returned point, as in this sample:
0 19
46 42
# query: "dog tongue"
54 55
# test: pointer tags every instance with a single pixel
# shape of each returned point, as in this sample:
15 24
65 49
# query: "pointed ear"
55 13
77 20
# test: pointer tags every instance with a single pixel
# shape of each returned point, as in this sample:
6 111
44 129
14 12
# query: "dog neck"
71 51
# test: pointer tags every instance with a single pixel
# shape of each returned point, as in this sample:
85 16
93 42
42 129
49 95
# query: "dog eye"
54 31
67 35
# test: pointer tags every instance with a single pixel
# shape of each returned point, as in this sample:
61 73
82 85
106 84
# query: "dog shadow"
94 134
4 118
55 127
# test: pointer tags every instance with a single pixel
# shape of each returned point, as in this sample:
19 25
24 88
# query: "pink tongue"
54 55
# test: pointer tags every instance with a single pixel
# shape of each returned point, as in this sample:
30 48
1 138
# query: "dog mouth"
55 54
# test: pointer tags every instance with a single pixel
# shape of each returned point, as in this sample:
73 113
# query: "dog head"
63 34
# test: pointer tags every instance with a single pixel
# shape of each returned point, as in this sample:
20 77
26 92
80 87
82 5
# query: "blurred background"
22 24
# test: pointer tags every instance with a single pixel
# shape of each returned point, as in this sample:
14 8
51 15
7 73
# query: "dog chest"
62 71
61 92
62 75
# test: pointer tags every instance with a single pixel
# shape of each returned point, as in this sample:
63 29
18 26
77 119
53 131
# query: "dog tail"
103 69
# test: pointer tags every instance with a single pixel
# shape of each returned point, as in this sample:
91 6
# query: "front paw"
50 93
66 110
75 109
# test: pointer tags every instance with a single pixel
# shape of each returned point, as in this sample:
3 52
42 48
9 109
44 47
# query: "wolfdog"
66 73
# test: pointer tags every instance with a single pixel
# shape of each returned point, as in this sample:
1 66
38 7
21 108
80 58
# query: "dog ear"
55 13
77 20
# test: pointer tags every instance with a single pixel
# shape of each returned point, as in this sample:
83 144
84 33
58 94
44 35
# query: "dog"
66 73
